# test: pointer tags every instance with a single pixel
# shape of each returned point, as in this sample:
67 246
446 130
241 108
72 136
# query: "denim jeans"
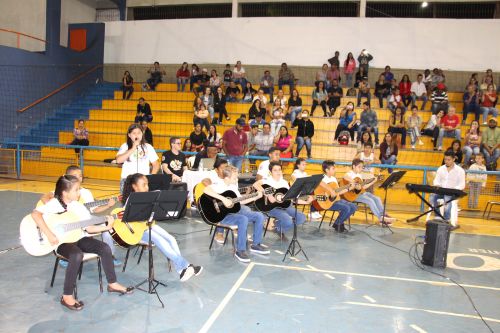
363 127
471 109
414 134
486 111
468 150
282 82
491 158
368 96
235 160
391 160
348 80
300 143
241 81
181 83
414 99
447 208
381 97
373 202
294 112
435 108
167 244
258 222
284 217
241 221
268 90
345 209
449 134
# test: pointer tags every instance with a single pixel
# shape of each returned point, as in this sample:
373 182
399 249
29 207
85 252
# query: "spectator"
360 75
254 130
263 100
294 105
439 99
432 127
366 138
395 101
195 75
156 74
143 112
255 109
388 76
381 90
456 149
347 121
187 145
488 102
258 121
491 144
319 97
203 82
234 144
332 74
220 105
275 107
471 103
197 138
397 125
335 94
388 151
210 152
364 91
264 141
364 59
248 92
227 75
368 122
486 82
267 84
349 68
427 80
232 92
299 171
335 60
208 100
148 135
80 136
414 124
286 77
368 157
473 81
182 76
214 81
322 75
214 137
472 142
437 78
476 180
283 141
277 122
201 115
450 127
305 132
405 90
418 92
392 86
239 75
488 73
127 85
173 161
281 98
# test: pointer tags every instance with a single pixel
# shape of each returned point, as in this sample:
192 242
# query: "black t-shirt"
234 90
175 163
197 139
333 90
292 102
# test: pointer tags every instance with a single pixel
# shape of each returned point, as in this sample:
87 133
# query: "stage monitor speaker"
437 237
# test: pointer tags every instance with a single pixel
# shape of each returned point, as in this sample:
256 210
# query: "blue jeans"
348 80
258 222
241 219
487 111
300 143
345 209
363 127
449 134
284 217
290 83
435 108
373 202
268 90
491 158
235 160
295 111
468 108
392 160
167 244
241 81
447 208
414 98
181 83
468 150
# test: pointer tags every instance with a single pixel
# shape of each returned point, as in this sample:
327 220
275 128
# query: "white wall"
402 43
75 11
26 16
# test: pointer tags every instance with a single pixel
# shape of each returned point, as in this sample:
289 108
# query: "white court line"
329 276
312 267
384 277
452 314
348 286
418 329
369 299
279 252
210 321
294 296
252 290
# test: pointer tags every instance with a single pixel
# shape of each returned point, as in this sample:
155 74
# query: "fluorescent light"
424 4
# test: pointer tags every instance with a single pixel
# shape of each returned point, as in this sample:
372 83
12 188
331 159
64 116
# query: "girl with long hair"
349 68
127 85
388 151
472 142
319 97
182 76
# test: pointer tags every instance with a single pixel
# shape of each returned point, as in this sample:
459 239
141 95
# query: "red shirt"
181 73
234 141
487 103
451 121
405 88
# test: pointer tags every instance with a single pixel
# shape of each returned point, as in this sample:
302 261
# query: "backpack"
344 137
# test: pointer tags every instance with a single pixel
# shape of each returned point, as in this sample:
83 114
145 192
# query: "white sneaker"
412 146
420 142
440 148
186 273
315 215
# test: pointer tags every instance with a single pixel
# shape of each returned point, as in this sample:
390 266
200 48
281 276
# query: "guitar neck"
84 223
97 203
245 197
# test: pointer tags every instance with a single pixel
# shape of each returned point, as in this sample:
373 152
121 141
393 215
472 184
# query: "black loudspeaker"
437 237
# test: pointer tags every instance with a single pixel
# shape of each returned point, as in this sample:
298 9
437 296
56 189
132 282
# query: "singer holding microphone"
136 155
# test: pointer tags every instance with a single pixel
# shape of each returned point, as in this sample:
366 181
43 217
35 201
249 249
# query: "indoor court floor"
360 281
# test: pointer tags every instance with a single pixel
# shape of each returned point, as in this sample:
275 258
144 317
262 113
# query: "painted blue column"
53 26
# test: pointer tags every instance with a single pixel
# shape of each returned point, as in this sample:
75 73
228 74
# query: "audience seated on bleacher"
364 59
286 77
491 144
294 106
203 81
156 74
332 74
427 80
187 145
450 127
214 137
305 132
364 91
321 75
248 92
349 69
397 125
347 121
232 92
437 77
208 100
472 142
256 109
388 151
335 94
488 101
143 111
214 82
195 74
277 122
197 137
281 98
148 134
173 161
360 75
264 141
471 103
258 121
473 82
182 76
239 74
267 85
319 97
227 75
419 91
364 138
368 122
275 107
80 136
284 142
381 90
220 105
456 149
432 127
388 76
414 123
127 85
395 101
486 82
201 114
263 100
439 99
405 90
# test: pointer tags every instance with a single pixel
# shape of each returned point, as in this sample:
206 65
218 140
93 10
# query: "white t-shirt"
264 169
53 206
299 174
86 196
282 101
131 166
328 179
214 177
221 187
263 100
370 158
352 175
282 183
238 73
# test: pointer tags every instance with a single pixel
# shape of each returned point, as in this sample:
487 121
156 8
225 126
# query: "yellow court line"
453 314
385 277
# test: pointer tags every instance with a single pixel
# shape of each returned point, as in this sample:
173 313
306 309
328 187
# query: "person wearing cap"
305 132
439 99
234 143
490 144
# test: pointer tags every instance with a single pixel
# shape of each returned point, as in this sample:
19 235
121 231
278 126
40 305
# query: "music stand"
301 187
159 181
388 183
144 206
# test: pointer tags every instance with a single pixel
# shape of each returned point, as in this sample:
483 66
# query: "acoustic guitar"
89 205
353 194
328 199
127 234
199 188
264 205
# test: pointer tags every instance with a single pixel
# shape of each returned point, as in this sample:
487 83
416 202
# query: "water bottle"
246 164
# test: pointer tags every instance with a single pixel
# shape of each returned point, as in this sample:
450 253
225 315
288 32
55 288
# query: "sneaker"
316 215
440 148
197 269
413 147
336 227
420 142
257 248
242 256
63 263
455 227
193 206
342 228
219 237
116 262
187 273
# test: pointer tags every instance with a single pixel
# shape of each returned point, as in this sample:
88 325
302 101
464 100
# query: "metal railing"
19 35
